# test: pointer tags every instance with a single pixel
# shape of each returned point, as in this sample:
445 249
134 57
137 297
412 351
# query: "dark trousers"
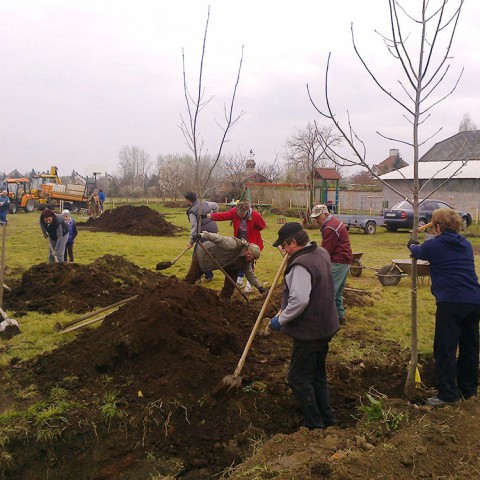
307 378
456 326
209 273
194 273
69 251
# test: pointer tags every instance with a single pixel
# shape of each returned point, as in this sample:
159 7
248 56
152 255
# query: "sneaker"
342 321
209 279
437 402
240 281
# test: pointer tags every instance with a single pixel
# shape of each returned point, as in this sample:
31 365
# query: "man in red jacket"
336 242
247 224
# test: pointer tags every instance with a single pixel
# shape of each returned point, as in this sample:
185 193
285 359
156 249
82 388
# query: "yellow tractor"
21 195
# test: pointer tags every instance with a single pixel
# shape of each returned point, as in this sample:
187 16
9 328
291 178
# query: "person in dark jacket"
197 214
308 315
4 206
232 254
56 230
336 242
72 233
457 293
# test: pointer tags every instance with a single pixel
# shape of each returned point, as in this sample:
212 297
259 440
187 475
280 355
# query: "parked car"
401 214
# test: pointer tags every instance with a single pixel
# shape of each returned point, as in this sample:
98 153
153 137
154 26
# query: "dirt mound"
174 339
132 221
54 287
158 359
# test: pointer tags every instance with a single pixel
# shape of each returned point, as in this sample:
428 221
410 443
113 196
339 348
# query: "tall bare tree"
190 125
310 148
272 170
134 167
170 175
431 29
467 124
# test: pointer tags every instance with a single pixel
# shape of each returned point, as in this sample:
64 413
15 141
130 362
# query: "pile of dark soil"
50 288
132 221
154 363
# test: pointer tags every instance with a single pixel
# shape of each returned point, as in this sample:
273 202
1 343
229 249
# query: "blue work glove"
411 242
275 324
196 237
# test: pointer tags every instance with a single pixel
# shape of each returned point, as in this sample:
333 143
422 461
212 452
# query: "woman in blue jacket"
457 292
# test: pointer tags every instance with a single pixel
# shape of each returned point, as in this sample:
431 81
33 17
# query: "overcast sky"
82 78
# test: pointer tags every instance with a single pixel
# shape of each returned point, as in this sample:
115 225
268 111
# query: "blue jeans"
339 273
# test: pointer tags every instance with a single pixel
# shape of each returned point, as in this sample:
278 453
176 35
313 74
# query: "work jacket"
452 268
319 319
206 224
57 229
229 252
255 223
335 240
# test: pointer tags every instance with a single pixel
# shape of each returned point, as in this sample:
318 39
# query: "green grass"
388 318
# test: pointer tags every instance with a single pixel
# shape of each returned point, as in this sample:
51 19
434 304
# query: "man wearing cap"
247 224
308 315
233 254
336 242
199 222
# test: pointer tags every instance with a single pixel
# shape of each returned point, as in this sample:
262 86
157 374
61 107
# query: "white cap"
317 210
65 212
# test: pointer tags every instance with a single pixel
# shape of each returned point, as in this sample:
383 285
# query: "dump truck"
47 190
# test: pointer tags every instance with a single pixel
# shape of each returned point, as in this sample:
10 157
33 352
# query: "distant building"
14 174
393 162
452 166
233 186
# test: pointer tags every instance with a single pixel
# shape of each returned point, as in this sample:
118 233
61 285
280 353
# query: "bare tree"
190 126
425 66
170 176
134 167
467 124
272 170
310 148
234 167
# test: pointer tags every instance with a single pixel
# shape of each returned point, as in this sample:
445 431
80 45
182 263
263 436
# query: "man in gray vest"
309 316
199 222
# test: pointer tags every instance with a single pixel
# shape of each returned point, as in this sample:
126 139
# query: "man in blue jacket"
4 206
457 292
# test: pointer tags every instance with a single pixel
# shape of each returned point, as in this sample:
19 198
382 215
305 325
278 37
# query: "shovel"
54 255
58 327
235 381
164 265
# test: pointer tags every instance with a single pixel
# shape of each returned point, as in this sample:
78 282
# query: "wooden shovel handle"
181 255
260 317
424 227
92 314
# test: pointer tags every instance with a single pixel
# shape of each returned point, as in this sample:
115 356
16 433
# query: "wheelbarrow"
390 275
356 265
